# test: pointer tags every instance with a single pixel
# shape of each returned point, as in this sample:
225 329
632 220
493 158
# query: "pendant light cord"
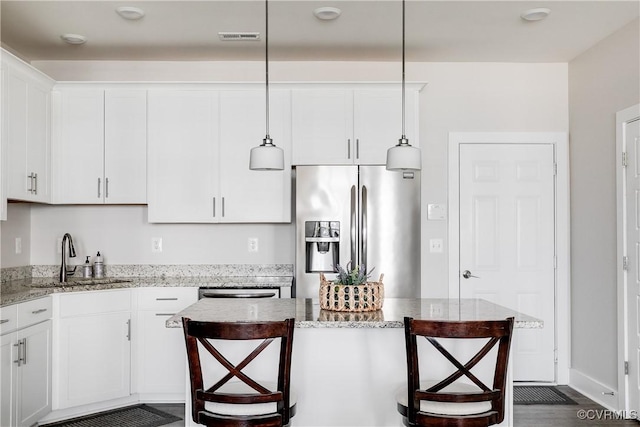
404 137
266 51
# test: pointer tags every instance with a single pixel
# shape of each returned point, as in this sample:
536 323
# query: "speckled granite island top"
308 314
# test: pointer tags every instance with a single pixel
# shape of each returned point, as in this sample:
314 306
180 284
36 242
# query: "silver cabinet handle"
353 226
19 360
348 148
24 351
35 186
239 295
363 229
99 180
165 314
129 330
357 148
106 188
38 311
467 274
214 207
30 189
223 207
3 321
167 299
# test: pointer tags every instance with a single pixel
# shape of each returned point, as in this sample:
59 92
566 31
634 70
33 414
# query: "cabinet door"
322 127
125 146
162 355
94 359
18 184
80 154
34 376
3 141
377 116
253 196
39 141
8 370
183 156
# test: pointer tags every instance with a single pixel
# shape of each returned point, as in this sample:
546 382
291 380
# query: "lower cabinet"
93 347
25 367
161 354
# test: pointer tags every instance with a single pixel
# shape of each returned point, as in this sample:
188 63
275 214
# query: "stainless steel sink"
78 282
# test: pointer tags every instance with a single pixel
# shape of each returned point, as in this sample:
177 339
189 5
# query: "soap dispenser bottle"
87 269
98 267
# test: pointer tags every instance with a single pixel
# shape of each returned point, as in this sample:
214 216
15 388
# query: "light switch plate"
156 244
18 245
436 211
252 244
435 245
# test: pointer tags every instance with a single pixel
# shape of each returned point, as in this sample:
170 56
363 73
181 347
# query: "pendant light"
403 156
266 156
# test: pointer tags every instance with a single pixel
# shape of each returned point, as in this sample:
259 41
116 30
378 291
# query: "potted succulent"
351 290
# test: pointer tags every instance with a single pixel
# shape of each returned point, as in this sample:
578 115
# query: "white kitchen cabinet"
343 126
253 196
26 127
199 144
161 354
25 358
3 141
100 146
93 347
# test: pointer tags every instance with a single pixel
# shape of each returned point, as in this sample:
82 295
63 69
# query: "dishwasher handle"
238 295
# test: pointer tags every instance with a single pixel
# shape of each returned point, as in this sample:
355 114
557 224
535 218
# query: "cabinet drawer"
170 300
94 302
32 312
8 318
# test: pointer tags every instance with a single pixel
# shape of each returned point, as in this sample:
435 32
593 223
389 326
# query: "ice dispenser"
322 240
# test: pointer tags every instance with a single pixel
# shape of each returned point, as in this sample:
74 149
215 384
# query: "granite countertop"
308 314
27 289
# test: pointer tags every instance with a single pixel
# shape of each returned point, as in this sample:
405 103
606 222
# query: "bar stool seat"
238 387
444 408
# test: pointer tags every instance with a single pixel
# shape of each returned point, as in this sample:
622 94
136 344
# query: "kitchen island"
347 367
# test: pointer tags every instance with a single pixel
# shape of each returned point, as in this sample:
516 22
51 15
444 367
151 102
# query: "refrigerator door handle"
353 225
363 229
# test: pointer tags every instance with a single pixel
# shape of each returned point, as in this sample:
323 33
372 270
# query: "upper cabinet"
26 119
199 144
343 126
100 145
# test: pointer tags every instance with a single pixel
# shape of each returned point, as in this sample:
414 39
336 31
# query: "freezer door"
324 194
390 228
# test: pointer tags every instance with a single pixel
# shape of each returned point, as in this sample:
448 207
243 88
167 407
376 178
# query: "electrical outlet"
253 244
59 245
18 245
435 245
156 244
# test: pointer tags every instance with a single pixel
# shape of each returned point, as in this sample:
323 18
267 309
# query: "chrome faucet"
72 253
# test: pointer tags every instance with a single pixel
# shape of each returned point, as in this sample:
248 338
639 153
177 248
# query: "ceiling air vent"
237 36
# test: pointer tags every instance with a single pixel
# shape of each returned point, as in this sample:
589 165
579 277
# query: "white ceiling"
436 31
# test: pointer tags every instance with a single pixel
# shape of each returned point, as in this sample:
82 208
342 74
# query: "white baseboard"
594 390
79 411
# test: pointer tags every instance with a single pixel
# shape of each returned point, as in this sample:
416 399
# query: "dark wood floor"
567 415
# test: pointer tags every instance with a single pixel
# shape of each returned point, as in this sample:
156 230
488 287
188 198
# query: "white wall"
458 97
603 80
18 224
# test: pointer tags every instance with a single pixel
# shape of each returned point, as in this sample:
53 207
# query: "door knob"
467 274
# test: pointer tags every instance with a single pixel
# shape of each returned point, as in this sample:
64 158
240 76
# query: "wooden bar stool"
449 402
245 401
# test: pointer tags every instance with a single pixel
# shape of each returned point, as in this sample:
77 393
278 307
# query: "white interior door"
631 203
507 242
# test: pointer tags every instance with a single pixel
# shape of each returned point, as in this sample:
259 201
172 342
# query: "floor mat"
131 416
540 395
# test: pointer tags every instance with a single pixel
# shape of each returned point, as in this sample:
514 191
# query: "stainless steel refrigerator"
358 215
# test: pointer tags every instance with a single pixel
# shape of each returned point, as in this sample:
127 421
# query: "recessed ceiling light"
74 38
536 14
131 13
327 13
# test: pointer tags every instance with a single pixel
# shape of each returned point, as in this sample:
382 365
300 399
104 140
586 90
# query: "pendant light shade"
403 156
266 156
